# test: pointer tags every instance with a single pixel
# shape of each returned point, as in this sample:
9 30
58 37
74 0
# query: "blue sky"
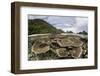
65 23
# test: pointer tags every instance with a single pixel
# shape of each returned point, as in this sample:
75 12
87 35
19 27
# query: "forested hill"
39 26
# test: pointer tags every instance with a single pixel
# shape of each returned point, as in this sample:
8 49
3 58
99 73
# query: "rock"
62 52
76 52
69 41
40 47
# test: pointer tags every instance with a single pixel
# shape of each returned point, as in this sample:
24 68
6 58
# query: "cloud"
36 17
81 21
82 24
64 27
61 20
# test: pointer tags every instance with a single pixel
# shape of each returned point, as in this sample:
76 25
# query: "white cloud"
81 21
81 24
36 17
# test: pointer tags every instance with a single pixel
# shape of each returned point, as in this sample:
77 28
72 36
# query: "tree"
83 32
69 32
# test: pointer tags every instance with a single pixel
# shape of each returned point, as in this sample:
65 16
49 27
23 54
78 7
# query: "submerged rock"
61 52
69 41
61 45
40 47
76 52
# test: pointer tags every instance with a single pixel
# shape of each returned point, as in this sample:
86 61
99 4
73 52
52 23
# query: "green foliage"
83 32
69 32
39 26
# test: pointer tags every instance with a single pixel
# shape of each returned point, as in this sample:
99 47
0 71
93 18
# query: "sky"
65 23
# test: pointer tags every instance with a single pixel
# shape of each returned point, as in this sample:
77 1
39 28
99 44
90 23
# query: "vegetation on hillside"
39 26
83 32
